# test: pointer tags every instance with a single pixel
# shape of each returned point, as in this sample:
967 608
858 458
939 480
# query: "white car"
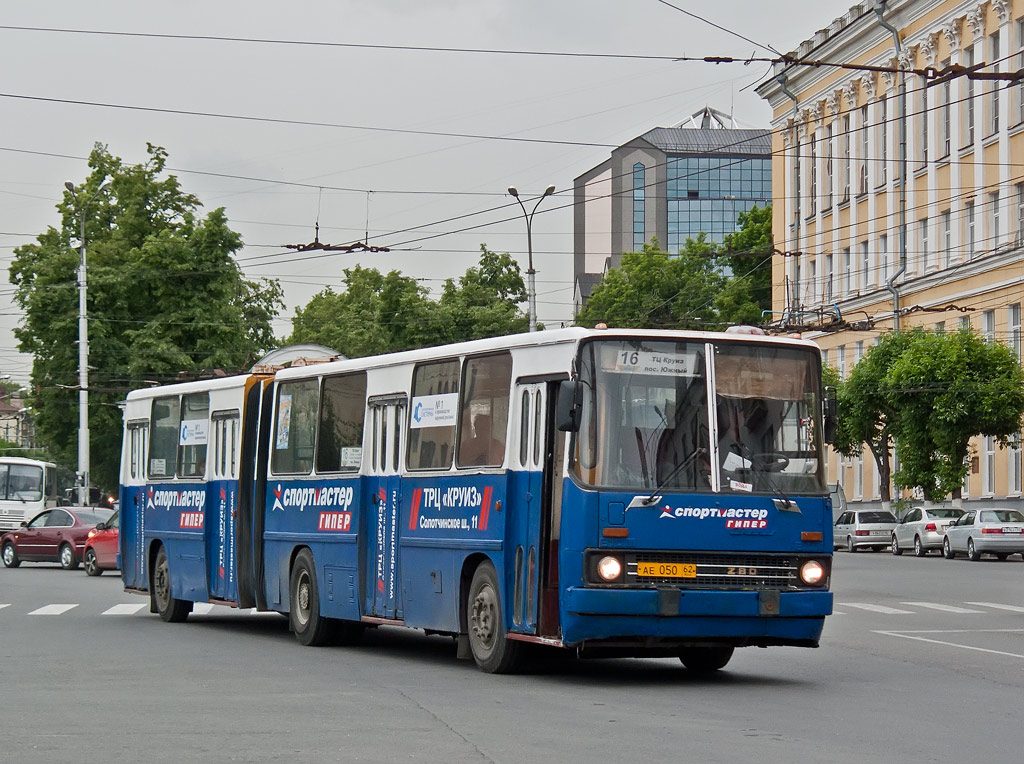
922 529
857 529
993 531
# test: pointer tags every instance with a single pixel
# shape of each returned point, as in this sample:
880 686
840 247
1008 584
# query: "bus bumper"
753 617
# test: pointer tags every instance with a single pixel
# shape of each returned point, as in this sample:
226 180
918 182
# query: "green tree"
866 412
165 297
947 388
747 254
384 314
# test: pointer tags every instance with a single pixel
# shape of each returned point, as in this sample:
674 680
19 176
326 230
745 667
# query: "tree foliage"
926 395
378 313
703 286
948 388
165 298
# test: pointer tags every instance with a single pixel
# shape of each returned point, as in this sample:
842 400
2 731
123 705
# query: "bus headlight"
812 573
609 568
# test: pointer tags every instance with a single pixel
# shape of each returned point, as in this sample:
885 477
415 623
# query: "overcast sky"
560 99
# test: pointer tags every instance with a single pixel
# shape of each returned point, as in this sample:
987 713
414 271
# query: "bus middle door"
527 518
387 421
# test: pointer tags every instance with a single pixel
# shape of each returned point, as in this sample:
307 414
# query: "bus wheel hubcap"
302 595
483 616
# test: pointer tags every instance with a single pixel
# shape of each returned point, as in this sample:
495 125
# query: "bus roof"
25 460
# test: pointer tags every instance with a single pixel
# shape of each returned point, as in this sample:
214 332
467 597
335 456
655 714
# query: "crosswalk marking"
878 608
128 609
999 606
944 608
52 609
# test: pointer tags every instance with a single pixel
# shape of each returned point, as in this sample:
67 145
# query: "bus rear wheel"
492 650
704 660
171 609
311 629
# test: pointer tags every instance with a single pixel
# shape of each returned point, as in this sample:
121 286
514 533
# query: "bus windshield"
646 423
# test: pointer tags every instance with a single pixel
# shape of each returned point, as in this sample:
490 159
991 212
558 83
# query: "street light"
83 349
531 274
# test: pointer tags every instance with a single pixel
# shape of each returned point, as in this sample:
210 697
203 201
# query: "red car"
101 547
56 535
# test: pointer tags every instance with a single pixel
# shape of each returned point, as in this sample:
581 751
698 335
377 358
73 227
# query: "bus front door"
133 495
384 501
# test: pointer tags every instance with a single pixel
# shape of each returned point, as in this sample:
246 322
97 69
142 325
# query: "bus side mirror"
830 415
567 409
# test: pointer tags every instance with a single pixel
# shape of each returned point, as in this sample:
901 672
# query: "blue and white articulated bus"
617 492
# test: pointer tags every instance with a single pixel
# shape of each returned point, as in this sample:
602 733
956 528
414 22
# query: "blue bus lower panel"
608 613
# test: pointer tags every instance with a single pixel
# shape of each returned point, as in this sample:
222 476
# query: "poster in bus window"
194 432
284 421
434 410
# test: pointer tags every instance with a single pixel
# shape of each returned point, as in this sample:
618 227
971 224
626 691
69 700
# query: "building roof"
586 282
684 140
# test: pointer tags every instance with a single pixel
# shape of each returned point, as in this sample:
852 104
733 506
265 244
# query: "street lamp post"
531 274
83 349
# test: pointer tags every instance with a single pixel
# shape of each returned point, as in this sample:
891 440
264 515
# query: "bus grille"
717 570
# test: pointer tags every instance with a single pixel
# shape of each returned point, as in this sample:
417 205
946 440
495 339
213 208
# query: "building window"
884 138
812 282
1018 92
969 238
988 326
994 87
846 157
883 256
964 323
1014 324
846 286
841 361
1019 193
989 466
945 95
923 117
829 276
865 265
940 327
924 259
947 238
1016 471
638 208
828 167
969 98
812 170
858 351
993 219
863 184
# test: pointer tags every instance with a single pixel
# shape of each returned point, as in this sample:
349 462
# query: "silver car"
867 528
922 528
993 531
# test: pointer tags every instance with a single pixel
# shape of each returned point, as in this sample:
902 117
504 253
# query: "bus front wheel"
311 628
492 650
704 660
171 609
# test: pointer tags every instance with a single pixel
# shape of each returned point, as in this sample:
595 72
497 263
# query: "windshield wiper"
655 495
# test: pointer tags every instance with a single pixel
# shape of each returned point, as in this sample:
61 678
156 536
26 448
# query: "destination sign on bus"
656 362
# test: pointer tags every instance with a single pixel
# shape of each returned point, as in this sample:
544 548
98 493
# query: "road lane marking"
878 608
3 605
52 609
999 606
906 635
944 608
202 608
128 609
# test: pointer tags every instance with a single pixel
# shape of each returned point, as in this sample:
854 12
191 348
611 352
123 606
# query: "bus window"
524 429
295 428
483 420
194 433
340 445
435 401
163 446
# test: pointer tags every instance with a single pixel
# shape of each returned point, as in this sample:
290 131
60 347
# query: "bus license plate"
666 569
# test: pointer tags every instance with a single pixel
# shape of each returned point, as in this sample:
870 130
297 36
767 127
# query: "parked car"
867 528
922 529
101 547
56 535
992 531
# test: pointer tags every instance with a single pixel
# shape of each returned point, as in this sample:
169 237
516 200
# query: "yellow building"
860 247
